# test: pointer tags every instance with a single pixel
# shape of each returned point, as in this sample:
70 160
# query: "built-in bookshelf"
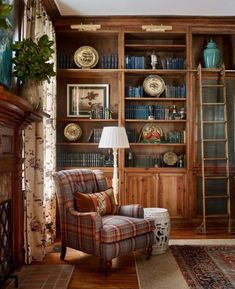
161 169
166 112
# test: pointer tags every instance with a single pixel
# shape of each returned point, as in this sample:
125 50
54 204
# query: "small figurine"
151 114
154 60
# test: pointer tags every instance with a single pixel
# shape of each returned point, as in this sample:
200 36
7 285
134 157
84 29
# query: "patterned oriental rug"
205 267
189 263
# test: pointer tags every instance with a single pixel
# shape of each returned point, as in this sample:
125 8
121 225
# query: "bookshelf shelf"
156 120
183 99
104 169
161 47
156 71
76 119
158 144
71 72
76 144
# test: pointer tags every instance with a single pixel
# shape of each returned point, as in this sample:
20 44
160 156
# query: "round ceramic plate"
151 133
170 158
154 85
86 57
72 131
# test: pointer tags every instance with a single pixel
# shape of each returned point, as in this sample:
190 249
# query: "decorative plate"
154 85
170 158
72 131
151 133
86 57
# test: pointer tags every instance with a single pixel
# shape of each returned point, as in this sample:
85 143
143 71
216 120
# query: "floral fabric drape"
39 152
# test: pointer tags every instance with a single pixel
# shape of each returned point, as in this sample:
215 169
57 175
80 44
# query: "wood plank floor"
89 275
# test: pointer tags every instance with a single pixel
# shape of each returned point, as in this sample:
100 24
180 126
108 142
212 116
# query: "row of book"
173 63
151 161
65 60
175 136
109 61
99 160
176 91
135 62
142 62
95 135
132 135
171 91
159 112
134 91
81 159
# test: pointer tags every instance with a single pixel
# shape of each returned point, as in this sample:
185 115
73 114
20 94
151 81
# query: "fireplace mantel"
15 115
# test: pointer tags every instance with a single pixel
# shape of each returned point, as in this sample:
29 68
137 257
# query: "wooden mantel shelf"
16 110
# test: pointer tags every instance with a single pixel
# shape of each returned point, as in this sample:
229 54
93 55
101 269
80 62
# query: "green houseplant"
32 64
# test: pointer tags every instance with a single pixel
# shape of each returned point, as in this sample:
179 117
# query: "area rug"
206 266
163 271
56 276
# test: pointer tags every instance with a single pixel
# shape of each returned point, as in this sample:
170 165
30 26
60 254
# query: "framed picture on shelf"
85 99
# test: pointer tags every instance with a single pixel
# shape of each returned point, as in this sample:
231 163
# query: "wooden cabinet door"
140 188
162 190
172 193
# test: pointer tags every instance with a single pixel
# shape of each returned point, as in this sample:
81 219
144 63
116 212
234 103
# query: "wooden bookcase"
146 178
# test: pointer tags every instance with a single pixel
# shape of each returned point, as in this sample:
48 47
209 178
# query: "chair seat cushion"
116 227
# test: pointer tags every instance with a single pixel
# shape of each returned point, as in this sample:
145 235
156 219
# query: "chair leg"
149 251
107 267
63 252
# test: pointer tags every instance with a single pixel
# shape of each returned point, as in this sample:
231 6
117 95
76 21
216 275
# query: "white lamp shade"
114 137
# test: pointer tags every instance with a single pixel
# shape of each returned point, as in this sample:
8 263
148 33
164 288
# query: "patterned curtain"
39 152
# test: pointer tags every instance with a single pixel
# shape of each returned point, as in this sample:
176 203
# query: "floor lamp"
114 137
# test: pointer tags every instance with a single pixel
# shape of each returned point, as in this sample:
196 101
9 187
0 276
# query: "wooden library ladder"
219 172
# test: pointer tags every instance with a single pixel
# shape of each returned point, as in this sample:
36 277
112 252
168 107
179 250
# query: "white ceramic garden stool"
162 228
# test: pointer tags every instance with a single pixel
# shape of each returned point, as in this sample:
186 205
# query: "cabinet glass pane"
216 130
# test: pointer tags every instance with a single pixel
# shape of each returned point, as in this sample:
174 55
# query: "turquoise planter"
211 55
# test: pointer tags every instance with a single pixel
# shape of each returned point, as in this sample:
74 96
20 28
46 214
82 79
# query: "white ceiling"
146 7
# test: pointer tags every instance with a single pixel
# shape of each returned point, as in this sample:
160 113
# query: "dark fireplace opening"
6 249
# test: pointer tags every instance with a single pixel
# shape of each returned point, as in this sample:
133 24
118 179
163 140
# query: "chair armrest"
81 230
134 211
89 219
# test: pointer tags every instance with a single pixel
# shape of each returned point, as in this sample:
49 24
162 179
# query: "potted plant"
32 64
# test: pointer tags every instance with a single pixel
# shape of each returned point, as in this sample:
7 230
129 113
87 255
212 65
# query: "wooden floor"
89 275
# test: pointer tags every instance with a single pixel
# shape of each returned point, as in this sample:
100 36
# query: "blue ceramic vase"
211 55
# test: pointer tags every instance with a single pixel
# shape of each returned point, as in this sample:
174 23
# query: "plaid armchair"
105 236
